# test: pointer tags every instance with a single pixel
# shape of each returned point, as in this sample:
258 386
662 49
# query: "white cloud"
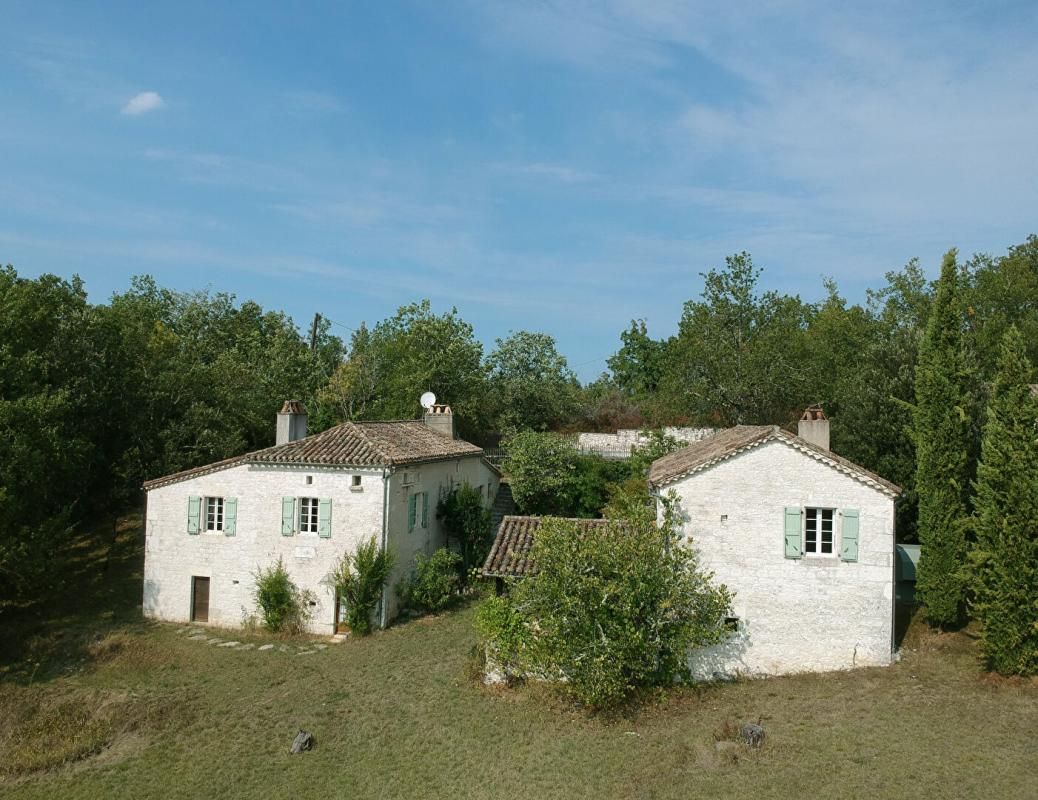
142 103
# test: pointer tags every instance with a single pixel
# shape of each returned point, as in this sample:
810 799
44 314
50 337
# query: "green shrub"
359 578
549 476
435 584
282 605
611 610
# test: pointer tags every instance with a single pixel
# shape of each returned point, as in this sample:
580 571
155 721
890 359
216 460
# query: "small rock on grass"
229 644
304 741
247 646
266 647
305 652
321 646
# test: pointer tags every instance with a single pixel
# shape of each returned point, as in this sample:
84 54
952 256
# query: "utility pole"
313 333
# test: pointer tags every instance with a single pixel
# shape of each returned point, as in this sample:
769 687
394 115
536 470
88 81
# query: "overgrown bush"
283 606
435 584
610 610
467 522
549 476
359 578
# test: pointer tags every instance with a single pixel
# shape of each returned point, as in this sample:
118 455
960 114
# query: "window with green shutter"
793 533
412 505
230 516
288 516
324 518
849 534
194 514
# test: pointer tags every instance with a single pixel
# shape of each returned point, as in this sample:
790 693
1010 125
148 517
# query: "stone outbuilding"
803 537
306 500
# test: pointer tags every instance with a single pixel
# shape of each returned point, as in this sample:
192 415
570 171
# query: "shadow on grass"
96 590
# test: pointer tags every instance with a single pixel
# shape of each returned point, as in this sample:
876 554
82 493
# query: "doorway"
340 615
199 599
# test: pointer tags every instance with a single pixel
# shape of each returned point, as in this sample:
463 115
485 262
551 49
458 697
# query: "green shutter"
288 516
324 518
230 516
849 535
411 506
794 536
194 514
425 509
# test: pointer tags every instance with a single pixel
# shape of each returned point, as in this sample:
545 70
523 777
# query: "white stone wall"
808 614
624 439
434 478
173 556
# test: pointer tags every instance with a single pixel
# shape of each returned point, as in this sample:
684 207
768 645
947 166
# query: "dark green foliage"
392 364
435 584
282 605
60 424
1004 559
612 610
740 357
466 522
531 386
549 476
943 444
359 578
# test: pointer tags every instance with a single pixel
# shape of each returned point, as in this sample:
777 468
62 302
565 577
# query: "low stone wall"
619 444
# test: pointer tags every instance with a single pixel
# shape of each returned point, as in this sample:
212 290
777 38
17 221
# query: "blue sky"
562 167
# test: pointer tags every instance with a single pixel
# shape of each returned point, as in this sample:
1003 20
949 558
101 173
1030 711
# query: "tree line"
97 398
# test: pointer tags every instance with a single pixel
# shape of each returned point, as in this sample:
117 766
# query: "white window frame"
213 508
819 510
309 521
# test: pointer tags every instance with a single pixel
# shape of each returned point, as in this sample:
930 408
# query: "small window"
731 624
409 478
818 532
724 519
308 514
309 480
355 484
214 513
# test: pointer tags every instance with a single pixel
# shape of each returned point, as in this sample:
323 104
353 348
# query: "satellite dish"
428 400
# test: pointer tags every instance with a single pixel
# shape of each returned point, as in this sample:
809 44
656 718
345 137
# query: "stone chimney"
814 427
440 418
291 422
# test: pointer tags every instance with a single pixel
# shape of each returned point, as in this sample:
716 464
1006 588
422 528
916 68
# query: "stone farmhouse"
803 537
306 500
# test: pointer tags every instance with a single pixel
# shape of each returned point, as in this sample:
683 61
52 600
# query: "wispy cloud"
556 172
142 103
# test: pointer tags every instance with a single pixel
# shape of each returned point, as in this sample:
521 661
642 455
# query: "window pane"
827 530
811 531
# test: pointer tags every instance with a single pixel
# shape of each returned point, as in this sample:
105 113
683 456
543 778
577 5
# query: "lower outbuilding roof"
510 554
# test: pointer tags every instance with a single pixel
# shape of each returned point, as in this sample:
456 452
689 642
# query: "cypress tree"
943 443
1005 556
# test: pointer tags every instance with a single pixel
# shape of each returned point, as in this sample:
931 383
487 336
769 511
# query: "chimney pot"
440 418
814 427
291 425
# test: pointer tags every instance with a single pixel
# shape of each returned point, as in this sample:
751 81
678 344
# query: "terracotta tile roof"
510 554
355 444
724 445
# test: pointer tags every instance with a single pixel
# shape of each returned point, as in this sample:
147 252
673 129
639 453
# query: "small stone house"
803 537
306 500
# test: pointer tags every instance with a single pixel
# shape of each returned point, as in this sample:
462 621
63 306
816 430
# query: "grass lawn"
396 715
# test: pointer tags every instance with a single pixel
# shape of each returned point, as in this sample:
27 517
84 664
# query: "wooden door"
199 599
